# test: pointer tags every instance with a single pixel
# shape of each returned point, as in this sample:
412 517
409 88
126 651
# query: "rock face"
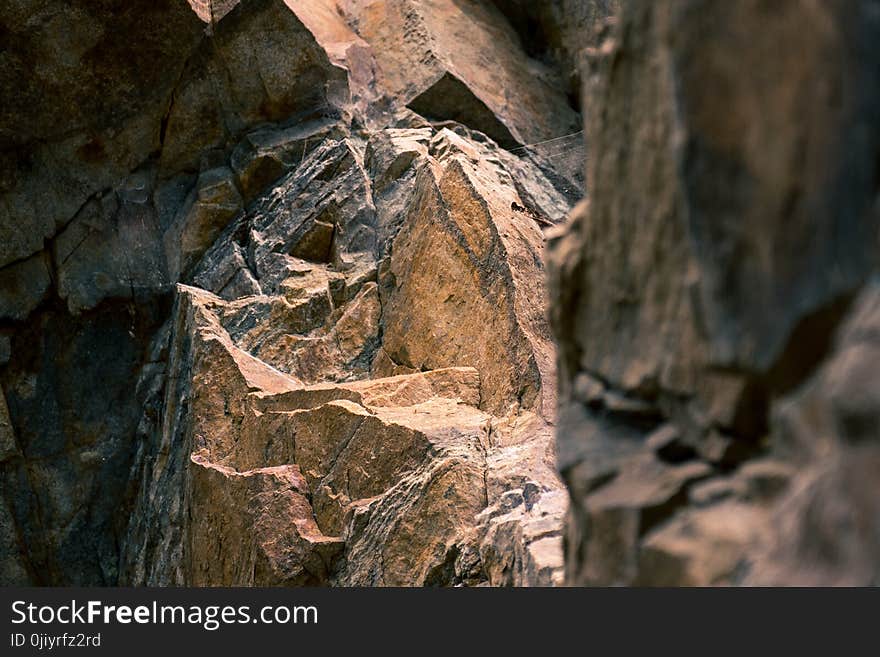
272 308
273 303
335 407
714 302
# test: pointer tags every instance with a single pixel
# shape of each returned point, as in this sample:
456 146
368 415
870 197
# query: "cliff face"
716 302
272 299
274 310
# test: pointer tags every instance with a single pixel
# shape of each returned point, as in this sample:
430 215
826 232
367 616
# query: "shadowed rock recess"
717 303
272 292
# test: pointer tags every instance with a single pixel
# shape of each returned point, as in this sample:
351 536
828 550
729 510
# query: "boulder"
404 474
466 277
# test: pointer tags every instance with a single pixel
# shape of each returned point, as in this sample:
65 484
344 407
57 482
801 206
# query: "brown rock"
394 472
680 279
825 528
268 165
213 204
559 30
265 155
260 64
702 548
490 318
702 281
618 514
76 61
424 53
254 528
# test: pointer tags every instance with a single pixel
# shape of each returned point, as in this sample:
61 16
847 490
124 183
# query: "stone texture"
23 285
266 507
424 50
213 203
682 270
435 316
71 387
111 249
393 470
77 60
400 474
716 413
561 31
260 64
221 359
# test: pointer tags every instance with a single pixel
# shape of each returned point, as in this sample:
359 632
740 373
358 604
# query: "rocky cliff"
274 307
272 292
716 300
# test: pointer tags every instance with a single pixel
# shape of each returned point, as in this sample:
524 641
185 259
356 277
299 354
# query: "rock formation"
267 316
274 307
715 300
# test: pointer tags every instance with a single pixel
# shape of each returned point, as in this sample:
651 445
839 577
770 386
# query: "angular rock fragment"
254 528
212 205
469 49
489 318
373 447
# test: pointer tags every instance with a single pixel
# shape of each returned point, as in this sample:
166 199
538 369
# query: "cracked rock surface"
272 293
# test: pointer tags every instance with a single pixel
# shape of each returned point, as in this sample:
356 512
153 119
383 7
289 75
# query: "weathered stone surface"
712 429
23 285
212 11
612 518
109 71
74 409
466 47
266 507
523 546
13 565
265 155
560 30
260 64
682 273
461 221
450 99
396 468
392 151
356 385
305 414
111 249
211 206
418 531
355 448
402 473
